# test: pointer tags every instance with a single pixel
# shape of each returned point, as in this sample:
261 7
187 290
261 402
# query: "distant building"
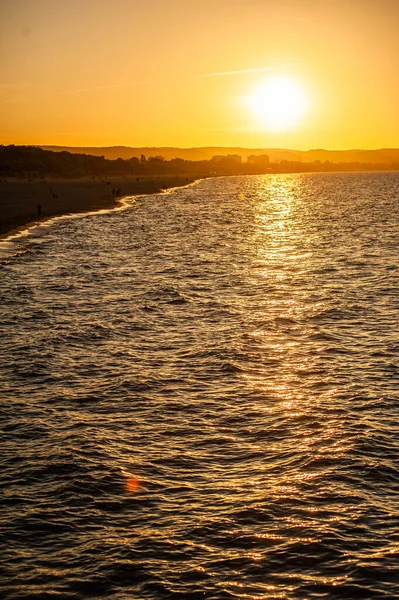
259 160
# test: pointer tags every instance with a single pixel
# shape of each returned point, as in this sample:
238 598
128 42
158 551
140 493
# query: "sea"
200 395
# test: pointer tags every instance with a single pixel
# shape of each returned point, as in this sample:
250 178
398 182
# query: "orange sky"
132 72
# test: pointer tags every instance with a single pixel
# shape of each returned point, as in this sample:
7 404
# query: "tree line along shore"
42 183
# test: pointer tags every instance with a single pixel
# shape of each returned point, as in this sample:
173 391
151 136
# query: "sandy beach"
19 198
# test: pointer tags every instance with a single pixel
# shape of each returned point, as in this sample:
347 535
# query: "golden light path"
278 103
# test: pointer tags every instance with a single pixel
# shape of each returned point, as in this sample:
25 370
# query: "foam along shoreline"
19 198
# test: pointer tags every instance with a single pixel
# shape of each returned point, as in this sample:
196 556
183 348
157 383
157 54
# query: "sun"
278 103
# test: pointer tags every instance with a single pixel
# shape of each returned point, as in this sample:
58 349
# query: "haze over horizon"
300 74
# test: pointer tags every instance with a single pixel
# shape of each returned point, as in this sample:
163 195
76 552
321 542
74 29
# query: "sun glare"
278 103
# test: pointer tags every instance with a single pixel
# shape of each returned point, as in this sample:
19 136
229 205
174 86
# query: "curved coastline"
21 229
18 198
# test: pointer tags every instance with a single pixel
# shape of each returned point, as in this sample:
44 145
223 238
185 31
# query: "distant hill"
383 156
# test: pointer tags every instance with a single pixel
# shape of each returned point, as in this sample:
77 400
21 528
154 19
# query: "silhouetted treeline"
33 162
382 156
29 161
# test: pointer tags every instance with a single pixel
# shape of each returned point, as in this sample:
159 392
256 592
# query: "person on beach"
39 210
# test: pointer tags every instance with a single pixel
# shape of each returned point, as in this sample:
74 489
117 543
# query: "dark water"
233 346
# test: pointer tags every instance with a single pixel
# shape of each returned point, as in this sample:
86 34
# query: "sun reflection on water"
284 347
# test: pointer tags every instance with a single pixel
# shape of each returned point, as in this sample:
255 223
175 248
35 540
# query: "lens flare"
132 484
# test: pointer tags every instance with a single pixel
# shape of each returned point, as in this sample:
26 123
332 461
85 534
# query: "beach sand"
19 198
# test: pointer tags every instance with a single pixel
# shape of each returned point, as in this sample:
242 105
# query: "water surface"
233 347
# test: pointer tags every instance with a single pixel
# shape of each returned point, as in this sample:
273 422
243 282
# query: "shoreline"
36 223
18 198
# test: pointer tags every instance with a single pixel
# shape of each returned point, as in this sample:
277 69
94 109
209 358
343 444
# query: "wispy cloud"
249 71
127 84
